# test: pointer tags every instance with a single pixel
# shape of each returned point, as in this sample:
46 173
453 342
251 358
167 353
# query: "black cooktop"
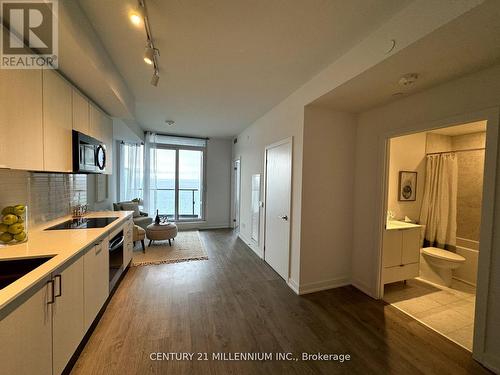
84 223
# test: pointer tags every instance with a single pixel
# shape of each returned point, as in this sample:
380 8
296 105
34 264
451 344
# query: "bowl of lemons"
13 225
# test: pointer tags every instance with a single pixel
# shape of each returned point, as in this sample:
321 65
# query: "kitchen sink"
11 270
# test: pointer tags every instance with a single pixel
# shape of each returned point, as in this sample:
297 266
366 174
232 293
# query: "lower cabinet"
401 254
128 244
41 330
26 333
67 316
95 280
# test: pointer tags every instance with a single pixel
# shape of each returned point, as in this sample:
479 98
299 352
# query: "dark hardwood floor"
234 302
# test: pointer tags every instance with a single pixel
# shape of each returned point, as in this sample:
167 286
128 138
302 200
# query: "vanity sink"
12 270
395 224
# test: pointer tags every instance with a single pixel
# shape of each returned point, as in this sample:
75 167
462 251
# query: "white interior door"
236 193
278 195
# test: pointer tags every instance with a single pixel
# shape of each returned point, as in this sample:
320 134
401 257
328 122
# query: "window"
176 177
131 176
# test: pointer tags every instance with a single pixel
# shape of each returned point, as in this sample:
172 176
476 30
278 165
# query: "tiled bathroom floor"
450 311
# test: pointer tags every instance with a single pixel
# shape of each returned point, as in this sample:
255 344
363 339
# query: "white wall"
287 118
218 174
127 131
407 153
327 185
446 104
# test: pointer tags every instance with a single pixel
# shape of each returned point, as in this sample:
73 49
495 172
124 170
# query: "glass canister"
14 225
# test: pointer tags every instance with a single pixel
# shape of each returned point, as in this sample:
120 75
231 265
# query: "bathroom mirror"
255 207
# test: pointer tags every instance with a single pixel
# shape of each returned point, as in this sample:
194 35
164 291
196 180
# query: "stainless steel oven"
115 258
89 154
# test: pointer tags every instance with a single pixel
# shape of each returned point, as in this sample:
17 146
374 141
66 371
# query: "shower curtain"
439 206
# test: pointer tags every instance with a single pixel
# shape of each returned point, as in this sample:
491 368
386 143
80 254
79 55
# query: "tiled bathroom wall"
48 195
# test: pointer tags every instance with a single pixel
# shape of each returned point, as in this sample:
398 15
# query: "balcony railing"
188 203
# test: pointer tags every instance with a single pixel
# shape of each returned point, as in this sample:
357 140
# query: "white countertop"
396 224
61 244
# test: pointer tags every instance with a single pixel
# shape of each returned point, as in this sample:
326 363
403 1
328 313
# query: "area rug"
187 246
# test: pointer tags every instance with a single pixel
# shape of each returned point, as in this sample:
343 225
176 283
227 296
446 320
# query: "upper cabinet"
81 113
21 128
38 111
101 128
108 140
57 123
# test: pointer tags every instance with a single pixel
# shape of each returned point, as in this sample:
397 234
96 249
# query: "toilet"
437 265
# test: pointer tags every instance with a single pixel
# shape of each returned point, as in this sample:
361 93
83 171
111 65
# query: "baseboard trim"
293 286
318 286
251 245
364 288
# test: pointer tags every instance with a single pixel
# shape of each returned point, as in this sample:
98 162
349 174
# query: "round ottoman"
161 232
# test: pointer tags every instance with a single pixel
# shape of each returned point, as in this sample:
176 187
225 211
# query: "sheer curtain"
131 171
151 179
439 206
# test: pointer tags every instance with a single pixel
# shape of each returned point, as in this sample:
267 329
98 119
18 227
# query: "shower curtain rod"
449 152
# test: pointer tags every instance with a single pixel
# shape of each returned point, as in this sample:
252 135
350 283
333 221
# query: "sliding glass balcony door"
176 182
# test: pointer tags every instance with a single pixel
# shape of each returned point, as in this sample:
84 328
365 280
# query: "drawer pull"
52 297
59 277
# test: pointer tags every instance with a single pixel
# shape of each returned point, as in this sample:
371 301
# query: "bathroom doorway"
431 239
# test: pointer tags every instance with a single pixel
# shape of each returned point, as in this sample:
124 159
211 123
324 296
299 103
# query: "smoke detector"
408 79
170 122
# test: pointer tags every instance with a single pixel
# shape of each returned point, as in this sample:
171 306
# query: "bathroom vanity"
400 251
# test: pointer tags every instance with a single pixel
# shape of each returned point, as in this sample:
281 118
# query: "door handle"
52 299
98 248
60 285
284 217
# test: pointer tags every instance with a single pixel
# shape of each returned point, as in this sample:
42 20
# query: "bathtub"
469 249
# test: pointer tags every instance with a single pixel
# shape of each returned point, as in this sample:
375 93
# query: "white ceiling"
468 43
224 63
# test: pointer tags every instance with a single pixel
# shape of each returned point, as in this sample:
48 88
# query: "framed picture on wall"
407 186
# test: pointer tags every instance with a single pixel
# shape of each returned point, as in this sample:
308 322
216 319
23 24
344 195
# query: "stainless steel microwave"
89 154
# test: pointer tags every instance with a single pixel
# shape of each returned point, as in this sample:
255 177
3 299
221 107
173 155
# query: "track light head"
149 55
136 16
155 79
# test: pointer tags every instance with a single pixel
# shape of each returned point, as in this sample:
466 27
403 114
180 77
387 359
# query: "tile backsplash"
48 195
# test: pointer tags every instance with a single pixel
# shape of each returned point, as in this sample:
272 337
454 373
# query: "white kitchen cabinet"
107 133
401 254
101 128
96 122
26 333
21 128
68 324
81 113
95 280
57 123
128 244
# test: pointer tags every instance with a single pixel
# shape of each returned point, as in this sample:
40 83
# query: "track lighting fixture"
149 55
136 15
155 78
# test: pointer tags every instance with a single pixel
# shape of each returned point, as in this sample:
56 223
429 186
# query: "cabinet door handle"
59 277
99 249
52 292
